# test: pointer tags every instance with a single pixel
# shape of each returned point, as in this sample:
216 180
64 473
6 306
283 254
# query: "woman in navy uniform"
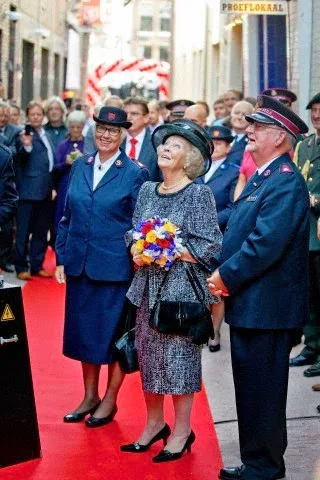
92 256
264 270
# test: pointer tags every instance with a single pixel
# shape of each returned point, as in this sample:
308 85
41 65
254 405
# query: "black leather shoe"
78 417
318 408
99 422
237 473
313 371
166 456
136 447
302 359
231 473
7 267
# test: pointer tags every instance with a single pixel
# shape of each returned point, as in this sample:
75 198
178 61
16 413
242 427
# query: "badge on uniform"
266 173
285 168
252 198
118 163
90 160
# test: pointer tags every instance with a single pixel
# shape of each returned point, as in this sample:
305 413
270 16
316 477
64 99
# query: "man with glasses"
138 142
263 274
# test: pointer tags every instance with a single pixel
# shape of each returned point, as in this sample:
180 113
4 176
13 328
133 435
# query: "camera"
27 129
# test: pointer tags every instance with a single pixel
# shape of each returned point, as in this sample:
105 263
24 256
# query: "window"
146 24
147 51
164 54
165 24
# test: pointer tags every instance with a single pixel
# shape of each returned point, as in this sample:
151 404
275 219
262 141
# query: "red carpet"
74 452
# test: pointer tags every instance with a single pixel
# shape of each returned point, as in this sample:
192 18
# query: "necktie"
132 153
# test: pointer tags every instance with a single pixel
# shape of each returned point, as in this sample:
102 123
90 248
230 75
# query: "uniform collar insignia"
90 160
118 163
267 172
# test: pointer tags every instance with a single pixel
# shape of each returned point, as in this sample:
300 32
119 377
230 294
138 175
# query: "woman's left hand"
187 257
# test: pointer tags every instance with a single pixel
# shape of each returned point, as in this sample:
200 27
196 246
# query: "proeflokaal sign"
254 7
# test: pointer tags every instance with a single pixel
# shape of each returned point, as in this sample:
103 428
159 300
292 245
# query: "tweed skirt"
169 364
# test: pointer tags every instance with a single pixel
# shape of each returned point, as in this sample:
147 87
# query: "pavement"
303 452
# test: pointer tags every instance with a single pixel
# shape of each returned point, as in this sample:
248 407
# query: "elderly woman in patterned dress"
171 364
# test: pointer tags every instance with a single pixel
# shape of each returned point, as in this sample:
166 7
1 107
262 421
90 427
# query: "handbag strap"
193 279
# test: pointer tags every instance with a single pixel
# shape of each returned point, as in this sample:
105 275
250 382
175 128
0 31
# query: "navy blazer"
264 257
148 157
90 236
223 183
11 134
33 179
8 192
237 150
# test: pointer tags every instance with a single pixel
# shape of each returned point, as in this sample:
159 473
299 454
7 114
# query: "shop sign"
252 7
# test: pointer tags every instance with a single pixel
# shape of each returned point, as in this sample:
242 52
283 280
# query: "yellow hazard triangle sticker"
7 314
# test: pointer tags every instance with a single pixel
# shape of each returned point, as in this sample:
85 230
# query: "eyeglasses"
263 126
113 132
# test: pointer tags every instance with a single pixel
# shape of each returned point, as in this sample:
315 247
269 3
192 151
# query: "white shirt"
44 138
214 167
139 138
100 169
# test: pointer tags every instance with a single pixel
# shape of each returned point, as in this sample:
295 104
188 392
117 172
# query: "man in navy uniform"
263 273
222 176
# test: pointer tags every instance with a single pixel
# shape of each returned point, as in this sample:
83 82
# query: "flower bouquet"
158 241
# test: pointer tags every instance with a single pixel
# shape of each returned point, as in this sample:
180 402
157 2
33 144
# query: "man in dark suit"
138 144
222 175
239 125
307 157
34 166
8 192
8 137
263 273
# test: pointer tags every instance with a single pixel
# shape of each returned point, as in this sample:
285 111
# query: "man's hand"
59 274
216 285
136 256
26 139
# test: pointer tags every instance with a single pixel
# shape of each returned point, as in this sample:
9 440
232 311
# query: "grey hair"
76 116
55 99
193 162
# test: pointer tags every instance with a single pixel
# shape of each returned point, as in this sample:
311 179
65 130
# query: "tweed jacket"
193 210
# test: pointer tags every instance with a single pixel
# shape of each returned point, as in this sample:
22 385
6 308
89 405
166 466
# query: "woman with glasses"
93 260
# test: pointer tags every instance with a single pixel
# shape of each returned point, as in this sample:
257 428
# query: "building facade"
33 51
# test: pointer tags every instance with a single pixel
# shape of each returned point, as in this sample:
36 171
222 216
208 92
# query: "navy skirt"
92 318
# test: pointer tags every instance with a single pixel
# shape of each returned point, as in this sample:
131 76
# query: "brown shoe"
24 276
43 274
316 387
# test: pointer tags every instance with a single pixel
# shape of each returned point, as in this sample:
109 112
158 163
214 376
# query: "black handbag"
125 349
183 318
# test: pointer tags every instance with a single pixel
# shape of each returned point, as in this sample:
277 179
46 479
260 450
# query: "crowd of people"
242 184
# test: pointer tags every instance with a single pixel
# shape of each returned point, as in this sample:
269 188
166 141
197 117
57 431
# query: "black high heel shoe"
78 417
166 456
99 422
136 447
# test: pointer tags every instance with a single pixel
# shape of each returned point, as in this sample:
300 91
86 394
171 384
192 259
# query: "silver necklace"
172 186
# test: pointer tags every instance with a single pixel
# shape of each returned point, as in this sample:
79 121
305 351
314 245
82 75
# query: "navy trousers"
33 217
260 363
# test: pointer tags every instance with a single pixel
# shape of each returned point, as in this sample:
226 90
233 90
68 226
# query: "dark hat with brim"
189 130
273 112
315 99
281 94
179 105
220 133
112 116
